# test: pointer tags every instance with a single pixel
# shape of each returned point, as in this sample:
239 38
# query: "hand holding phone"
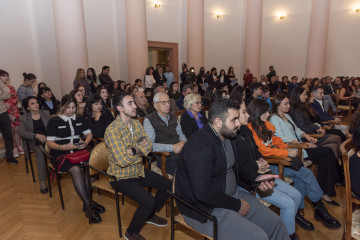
257 183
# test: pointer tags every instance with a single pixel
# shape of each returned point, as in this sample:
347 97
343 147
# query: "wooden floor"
25 213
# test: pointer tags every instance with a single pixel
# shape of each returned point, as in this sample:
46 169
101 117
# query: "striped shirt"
119 138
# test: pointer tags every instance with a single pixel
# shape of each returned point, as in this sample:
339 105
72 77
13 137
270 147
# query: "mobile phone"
257 183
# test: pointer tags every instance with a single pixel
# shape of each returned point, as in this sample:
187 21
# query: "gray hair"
157 96
190 99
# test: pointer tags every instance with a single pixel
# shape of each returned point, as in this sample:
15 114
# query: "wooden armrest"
167 154
278 161
277 157
298 145
316 135
163 162
281 162
329 122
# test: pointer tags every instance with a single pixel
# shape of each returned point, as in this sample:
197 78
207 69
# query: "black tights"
80 183
333 141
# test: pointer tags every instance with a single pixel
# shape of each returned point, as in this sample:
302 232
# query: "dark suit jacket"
160 78
210 80
327 89
189 125
26 124
201 174
324 116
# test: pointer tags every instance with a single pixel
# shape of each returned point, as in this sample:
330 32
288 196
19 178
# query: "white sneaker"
20 150
15 153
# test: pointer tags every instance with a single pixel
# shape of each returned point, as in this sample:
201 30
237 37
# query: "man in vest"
165 132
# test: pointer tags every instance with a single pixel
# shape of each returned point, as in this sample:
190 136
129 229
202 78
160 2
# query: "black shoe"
321 214
95 218
332 202
12 161
303 223
96 207
44 191
294 236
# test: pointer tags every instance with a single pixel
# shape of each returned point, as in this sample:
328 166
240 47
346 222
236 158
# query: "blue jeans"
304 181
288 199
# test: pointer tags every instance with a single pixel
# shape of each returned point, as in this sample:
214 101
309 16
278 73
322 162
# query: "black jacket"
248 150
189 125
201 174
44 106
302 120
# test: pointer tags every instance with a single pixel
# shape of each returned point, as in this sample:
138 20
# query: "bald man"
142 109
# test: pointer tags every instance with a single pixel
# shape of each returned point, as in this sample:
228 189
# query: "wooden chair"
351 232
300 147
98 163
113 112
28 158
345 108
178 114
281 162
178 218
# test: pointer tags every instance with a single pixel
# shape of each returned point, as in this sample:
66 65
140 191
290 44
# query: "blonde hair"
78 74
190 99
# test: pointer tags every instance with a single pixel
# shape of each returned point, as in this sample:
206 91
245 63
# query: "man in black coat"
205 178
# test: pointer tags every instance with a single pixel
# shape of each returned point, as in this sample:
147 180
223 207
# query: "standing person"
272 73
105 79
149 78
80 80
128 142
5 122
25 90
248 76
33 125
205 179
14 114
169 76
212 79
160 77
63 137
92 79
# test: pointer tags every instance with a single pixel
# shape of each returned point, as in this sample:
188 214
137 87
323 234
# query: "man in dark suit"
212 79
205 178
160 77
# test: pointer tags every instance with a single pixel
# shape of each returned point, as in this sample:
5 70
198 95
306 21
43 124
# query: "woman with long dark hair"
269 144
300 112
64 133
174 91
98 116
92 79
79 97
324 157
347 92
103 93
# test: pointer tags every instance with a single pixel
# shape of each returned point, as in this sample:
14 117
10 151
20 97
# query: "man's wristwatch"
133 151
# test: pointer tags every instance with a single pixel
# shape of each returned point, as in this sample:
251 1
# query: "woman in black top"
193 119
103 93
63 137
33 125
47 100
98 116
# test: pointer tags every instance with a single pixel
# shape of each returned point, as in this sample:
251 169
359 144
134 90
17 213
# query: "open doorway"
164 53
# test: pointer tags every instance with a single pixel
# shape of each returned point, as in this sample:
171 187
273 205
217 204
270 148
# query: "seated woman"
98 116
286 129
47 100
304 180
347 92
63 137
194 118
33 125
103 93
79 97
299 112
354 165
284 196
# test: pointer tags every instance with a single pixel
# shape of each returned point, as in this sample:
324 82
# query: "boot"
294 236
321 214
302 222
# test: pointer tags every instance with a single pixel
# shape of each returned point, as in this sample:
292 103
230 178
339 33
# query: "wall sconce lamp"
157 4
219 14
282 16
357 9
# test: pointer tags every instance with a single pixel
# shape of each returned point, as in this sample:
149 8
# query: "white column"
136 37
317 42
70 40
252 48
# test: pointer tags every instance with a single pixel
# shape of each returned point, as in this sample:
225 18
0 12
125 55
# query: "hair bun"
24 74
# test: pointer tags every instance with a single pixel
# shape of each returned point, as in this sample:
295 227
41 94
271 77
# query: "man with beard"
205 178
127 143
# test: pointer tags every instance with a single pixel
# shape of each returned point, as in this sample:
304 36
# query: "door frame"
173 55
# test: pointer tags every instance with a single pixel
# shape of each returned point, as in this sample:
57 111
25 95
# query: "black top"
98 127
248 150
44 106
64 130
303 121
189 125
39 126
354 166
201 174
248 100
144 112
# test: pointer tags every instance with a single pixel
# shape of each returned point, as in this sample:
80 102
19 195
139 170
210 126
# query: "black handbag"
296 163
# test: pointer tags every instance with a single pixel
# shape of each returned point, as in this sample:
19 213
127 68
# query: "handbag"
75 158
296 163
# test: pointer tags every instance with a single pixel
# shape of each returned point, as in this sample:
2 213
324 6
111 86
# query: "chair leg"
26 164
172 233
49 181
122 199
31 167
118 212
60 192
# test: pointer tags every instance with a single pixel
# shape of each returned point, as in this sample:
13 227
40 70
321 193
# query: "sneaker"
157 221
134 236
15 153
20 150
12 161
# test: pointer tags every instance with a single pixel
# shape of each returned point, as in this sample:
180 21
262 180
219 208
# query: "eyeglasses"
164 102
198 102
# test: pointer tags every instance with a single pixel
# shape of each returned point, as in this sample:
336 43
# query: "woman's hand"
321 131
312 145
69 147
41 138
292 152
82 146
294 141
97 116
310 139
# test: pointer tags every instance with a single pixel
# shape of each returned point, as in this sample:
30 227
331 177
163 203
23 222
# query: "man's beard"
227 133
